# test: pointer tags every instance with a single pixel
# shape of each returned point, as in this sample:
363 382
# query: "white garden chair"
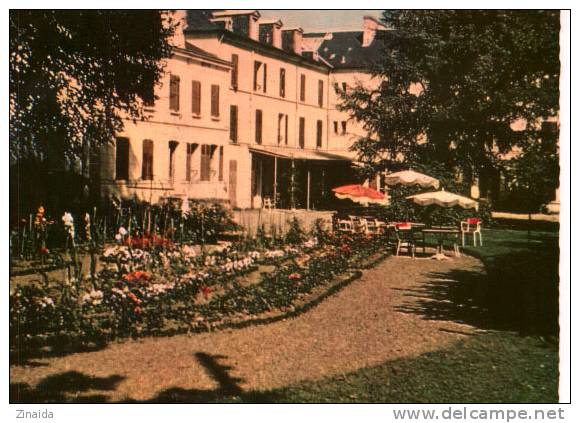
471 226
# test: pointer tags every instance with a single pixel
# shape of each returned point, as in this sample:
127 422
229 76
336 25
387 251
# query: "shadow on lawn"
518 292
65 387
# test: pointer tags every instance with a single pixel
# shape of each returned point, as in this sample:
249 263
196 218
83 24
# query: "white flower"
122 231
118 237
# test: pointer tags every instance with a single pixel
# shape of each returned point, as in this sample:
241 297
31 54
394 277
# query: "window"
336 127
343 124
282 82
234 124
174 93
303 87
318 134
320 93
147 168
189 161
172 147
260 76
281 128
149 98
286 129
122 159
196 97
205 167
344 86
215 100
301 127
258 127
234 82
221 164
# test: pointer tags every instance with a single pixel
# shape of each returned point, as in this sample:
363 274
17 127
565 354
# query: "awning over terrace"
296 154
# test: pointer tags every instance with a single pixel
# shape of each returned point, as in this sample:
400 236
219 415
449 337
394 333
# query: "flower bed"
170 289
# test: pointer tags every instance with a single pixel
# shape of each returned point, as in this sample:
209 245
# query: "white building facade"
246 115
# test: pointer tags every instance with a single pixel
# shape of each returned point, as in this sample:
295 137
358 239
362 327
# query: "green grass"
494 367
515 361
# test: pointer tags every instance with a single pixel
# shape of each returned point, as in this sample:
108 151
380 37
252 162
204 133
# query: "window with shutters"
282 82
174 93
221 164
215 101
343 124
172 148
147 168
196 97
265 77
280 128
318 134
191 147
205 165
320 93
258 126
286 130
258 75
302 87
301 128
149 98
122 159
234 124
336 127
235 61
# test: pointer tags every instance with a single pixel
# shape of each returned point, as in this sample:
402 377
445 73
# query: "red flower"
44 250
294 276
345 248
133 298
137 310
205 290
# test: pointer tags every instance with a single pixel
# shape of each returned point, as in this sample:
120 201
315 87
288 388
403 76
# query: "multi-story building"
246 114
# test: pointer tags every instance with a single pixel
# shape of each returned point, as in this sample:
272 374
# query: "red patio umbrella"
360 194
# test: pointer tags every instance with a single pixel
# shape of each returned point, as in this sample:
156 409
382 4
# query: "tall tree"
75 75
75 72
457 79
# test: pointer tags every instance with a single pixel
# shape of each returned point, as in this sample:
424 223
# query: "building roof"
344 50
200 19
204 54
300 154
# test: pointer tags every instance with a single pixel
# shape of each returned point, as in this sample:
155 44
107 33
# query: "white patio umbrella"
409 178
444 199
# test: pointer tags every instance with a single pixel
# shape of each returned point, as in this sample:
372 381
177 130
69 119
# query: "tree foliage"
533 174
458 79
75 74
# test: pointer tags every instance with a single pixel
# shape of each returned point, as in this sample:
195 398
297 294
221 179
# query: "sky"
321 20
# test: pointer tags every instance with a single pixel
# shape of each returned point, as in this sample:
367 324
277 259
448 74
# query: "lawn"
514 359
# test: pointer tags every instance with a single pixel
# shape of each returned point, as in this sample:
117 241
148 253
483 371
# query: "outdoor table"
442 233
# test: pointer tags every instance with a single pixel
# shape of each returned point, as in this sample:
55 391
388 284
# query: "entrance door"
233 178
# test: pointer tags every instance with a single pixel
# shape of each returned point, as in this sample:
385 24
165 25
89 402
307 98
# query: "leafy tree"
454 81
74 75
533 174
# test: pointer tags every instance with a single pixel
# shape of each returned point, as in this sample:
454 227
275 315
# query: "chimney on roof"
292 40
243 22
178 17
370 27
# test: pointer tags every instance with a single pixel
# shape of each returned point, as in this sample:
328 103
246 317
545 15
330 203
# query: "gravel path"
357 327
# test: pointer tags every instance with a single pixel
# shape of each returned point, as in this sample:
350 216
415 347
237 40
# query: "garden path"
360 326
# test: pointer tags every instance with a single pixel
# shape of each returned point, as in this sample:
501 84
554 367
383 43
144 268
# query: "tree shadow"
518 292
65 387
213 364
